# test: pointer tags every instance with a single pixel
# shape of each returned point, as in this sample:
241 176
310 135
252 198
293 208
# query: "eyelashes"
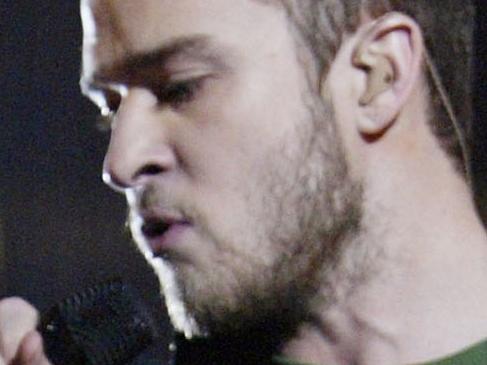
112 103
178 93
175 95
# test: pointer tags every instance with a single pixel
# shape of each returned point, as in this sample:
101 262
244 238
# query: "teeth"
154 228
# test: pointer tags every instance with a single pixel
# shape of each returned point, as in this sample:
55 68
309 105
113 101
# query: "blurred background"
62 228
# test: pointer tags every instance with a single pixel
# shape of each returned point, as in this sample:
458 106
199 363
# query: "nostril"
151 169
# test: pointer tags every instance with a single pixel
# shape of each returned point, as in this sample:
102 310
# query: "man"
296 173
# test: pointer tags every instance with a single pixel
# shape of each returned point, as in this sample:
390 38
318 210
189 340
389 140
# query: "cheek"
243 112
228 202
233 221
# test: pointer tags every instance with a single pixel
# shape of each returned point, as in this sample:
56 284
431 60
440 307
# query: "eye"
178 93
112 102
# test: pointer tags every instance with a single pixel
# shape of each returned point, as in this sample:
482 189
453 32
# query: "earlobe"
389 52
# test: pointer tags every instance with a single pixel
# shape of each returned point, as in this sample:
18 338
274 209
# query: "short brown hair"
447 27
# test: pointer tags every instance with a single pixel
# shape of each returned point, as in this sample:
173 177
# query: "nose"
139 144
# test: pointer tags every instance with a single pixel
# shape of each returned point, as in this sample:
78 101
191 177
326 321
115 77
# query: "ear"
389 52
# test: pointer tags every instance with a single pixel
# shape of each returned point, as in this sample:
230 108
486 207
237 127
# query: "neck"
424 253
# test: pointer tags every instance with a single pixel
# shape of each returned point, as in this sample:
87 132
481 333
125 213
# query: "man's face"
232 166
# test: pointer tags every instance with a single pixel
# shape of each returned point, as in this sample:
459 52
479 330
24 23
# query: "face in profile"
230 160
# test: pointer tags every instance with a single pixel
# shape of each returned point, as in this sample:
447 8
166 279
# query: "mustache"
154 198
151 197
147 198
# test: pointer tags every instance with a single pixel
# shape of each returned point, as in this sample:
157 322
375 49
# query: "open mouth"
153 228
162 234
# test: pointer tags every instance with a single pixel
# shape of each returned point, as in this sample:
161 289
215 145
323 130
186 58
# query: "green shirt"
475 355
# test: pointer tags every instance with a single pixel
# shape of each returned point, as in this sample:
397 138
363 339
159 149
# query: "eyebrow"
139 68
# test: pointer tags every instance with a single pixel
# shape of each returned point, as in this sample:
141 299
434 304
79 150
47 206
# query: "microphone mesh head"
104 325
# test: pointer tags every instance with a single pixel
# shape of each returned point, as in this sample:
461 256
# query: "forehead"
119 28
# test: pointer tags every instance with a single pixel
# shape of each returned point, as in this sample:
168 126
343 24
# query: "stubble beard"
307 209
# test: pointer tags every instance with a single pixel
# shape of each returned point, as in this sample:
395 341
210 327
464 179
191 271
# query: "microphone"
104 325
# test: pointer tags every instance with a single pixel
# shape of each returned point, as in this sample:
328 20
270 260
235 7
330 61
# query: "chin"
180 318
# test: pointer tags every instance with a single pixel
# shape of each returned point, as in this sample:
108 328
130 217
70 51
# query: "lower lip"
171 237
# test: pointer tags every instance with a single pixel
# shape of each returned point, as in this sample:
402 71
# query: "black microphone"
104 325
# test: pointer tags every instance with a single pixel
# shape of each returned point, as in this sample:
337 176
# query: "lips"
163 233
153 227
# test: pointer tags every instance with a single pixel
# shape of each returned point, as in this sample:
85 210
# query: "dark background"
63 228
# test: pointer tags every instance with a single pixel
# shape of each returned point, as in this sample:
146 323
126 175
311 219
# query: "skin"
344 165
19 342
239 170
